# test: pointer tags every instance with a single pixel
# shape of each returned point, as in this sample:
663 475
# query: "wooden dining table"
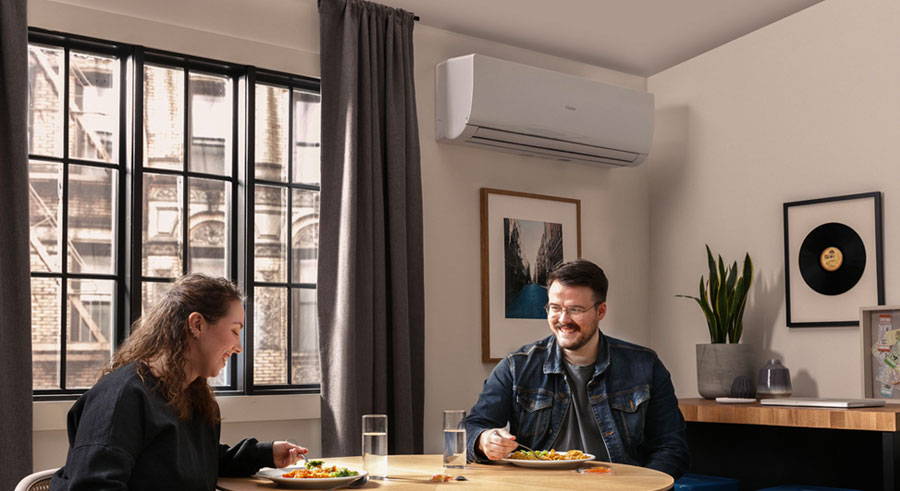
413 472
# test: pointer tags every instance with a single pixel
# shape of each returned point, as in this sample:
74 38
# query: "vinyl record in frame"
833 259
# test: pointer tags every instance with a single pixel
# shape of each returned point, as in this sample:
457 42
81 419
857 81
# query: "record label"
832 258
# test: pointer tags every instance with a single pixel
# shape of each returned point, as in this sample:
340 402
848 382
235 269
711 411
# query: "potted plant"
722 299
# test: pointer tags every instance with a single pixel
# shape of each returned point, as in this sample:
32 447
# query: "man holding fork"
580 389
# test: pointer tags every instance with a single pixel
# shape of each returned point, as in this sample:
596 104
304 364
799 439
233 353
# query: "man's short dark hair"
581 272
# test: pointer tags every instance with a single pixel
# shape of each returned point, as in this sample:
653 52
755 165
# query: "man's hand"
496 443
286 453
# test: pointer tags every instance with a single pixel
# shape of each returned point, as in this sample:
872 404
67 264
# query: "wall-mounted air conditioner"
508 106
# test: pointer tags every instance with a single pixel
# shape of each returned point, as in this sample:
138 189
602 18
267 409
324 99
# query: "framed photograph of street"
524 236
832 259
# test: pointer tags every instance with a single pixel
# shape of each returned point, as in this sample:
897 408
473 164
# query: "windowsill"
51 415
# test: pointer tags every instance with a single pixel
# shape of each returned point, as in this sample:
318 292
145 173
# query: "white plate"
550 464
306 482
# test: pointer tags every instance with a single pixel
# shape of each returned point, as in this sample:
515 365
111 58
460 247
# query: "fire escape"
98 339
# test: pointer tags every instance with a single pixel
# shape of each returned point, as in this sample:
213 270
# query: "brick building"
92 199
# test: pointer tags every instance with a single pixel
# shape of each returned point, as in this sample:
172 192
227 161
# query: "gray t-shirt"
579 429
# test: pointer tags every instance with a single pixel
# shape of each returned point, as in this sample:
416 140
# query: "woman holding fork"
151 421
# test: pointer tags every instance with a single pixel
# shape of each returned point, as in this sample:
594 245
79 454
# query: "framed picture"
832 259
880 343
523 237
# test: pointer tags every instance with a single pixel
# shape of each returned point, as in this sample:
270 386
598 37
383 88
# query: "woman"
151 421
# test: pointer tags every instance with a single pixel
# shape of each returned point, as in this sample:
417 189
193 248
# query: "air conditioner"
517 108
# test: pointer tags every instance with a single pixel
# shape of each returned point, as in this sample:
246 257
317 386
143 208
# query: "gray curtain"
15 286
370 290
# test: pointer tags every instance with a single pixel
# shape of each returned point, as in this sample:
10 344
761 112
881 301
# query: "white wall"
807 107
283 35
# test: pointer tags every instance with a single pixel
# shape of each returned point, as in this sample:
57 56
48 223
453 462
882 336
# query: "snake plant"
723 297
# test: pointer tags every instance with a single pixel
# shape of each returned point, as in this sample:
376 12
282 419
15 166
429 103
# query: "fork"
301 455
533 451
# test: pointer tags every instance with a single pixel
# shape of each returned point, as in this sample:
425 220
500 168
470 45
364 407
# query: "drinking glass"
375 445
454 439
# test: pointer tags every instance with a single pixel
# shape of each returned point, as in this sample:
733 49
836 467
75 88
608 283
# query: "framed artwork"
832 259
523 237
880 343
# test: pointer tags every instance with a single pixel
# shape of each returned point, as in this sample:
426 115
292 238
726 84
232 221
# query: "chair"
39 481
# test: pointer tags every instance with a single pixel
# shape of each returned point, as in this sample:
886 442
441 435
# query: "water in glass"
454 439
454 448
375 451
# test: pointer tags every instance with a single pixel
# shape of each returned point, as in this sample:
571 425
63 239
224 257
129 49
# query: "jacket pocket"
629 408
534 407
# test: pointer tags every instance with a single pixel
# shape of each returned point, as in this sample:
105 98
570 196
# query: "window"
285 233
75 198
138 174
187 197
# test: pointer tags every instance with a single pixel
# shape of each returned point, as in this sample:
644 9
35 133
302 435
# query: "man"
580 389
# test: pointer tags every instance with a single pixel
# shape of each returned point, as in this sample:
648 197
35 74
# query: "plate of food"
314 475
548 459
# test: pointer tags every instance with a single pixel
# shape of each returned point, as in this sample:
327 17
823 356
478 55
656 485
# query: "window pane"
45 100
304 337
270 231
151 293
45 329
163 117
45 212
270 336
92 226
89 320
304 235
307 139
93 107
209 226
223 379
270 151
211 119
162 244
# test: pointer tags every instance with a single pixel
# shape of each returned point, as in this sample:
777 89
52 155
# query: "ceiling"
641 37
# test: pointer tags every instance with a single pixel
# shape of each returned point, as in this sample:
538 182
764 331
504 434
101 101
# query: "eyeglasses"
576 311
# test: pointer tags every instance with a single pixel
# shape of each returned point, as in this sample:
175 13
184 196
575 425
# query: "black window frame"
292 83
128 274
121 51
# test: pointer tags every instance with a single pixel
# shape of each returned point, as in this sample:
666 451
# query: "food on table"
441 478
547 455
596 470
319 472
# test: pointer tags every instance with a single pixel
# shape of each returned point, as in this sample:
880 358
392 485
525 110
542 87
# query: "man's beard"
586 335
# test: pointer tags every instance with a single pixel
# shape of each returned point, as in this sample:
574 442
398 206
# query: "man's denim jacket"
631 396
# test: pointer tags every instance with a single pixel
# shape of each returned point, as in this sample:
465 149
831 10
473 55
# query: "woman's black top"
123 435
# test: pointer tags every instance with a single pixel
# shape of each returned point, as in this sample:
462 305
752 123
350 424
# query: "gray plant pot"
718 364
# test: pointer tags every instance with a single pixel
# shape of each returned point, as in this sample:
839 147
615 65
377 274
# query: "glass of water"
375 445
454 439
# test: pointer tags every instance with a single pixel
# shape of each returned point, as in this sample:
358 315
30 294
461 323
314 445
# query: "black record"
832 258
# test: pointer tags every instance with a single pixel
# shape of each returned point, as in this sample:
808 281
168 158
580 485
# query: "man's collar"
555 357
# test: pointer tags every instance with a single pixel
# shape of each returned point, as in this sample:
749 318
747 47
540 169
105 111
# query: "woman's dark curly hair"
162 334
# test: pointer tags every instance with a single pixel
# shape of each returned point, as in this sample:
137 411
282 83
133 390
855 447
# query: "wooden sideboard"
767 445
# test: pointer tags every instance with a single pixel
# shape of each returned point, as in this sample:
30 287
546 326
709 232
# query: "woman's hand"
286 453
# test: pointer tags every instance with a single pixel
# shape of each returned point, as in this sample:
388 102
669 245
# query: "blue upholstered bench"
691 482
805 488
